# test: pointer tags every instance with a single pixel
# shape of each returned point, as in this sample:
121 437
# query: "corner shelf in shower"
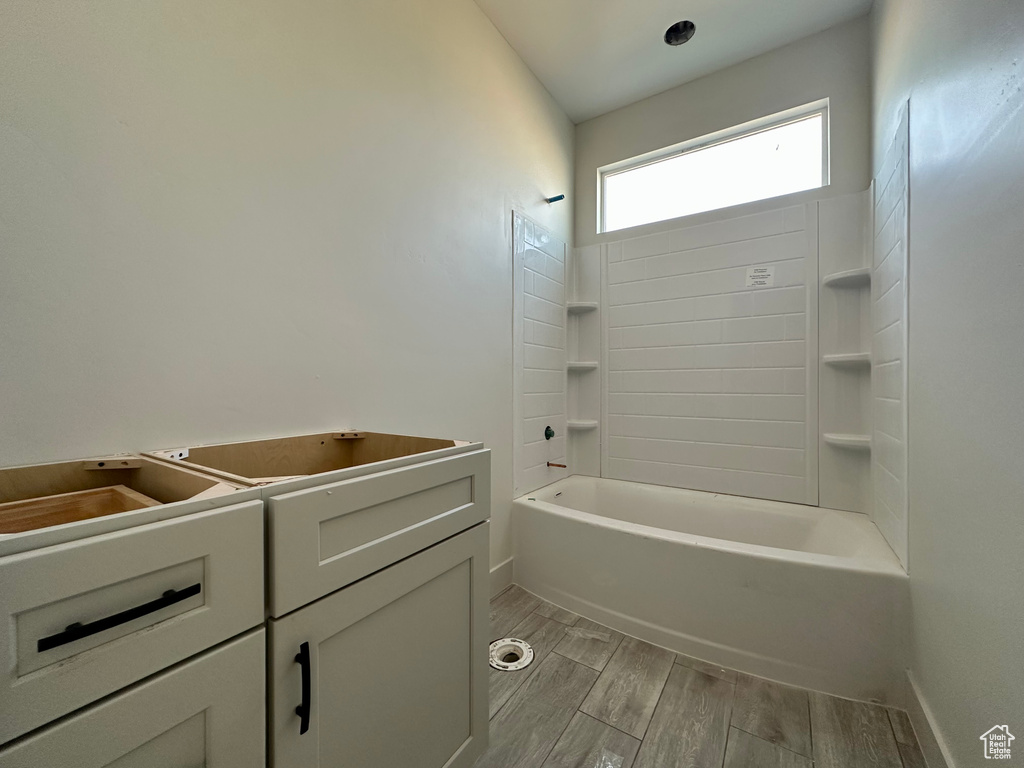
848 360
850 442
580 425
850 278
580 366
580 307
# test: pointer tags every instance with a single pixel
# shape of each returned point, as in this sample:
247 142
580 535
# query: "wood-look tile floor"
595 698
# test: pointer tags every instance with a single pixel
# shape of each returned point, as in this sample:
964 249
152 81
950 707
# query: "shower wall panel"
889 344
540 355
711 357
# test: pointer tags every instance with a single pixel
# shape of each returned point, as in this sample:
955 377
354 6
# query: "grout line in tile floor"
560 735
839 744
810 728
661 693
744 730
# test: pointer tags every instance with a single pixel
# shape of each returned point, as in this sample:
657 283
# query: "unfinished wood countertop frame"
174 490
308 445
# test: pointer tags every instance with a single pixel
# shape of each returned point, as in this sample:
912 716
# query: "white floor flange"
501 648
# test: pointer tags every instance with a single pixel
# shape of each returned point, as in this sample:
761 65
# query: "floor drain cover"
510 654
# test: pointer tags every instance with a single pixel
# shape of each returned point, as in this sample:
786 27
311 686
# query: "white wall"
834 64
961 65
712 382
235 219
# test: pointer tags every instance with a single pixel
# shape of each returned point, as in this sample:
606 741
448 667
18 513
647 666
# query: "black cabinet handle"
77 630
302 659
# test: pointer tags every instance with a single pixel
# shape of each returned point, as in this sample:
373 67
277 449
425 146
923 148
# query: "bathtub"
802 595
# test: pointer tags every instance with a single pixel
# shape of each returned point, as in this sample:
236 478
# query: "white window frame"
719 137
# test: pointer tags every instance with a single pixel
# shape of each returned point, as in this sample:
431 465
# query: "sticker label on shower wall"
761 277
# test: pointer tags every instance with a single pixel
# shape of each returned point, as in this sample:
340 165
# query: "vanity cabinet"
166 610
390 671
342 505
327 536
96 597
377 587
207 711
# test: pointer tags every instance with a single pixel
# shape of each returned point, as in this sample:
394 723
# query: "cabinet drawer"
328 536
388 672
207 711
91 616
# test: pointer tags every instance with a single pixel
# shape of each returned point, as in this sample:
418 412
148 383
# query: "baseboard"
928 735
501 577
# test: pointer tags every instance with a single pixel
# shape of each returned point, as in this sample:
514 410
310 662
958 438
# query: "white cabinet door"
388 672
328 536
208 711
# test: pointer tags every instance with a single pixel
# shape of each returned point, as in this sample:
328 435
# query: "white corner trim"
501 577
934 749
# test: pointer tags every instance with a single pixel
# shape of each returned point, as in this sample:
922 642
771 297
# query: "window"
777 155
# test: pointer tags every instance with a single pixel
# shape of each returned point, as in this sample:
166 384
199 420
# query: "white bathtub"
806 596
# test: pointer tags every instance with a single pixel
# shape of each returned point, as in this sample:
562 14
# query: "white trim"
501 577
518 300
811 417
743 130
933 747
604 436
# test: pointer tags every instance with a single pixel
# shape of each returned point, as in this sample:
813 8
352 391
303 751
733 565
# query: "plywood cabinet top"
45 504
290 463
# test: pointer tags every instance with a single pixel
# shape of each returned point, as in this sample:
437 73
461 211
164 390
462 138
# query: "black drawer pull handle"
302 659
77 630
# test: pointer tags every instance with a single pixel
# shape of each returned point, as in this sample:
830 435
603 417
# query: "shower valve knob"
548 433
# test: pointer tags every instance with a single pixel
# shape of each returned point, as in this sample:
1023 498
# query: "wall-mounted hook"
554 199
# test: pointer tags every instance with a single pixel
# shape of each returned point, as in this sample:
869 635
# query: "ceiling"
598 55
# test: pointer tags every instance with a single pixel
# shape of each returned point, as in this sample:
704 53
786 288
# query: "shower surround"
719 412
